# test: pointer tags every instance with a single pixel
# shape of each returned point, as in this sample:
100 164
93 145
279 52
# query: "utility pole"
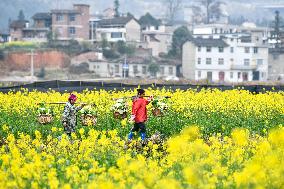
32 54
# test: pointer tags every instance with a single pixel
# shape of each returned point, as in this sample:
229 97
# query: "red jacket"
139 109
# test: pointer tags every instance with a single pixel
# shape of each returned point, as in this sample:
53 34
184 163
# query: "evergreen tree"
116 7
21 15
180 36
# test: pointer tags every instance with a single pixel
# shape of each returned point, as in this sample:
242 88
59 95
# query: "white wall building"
132 70
157 38
228 60
118 29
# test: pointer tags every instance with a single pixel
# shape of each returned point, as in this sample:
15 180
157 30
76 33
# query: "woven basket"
88 120
157 112
117 115
44 119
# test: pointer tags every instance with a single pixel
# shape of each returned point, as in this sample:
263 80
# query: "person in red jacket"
139 114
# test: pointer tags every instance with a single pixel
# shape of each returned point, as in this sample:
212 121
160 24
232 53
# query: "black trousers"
138 126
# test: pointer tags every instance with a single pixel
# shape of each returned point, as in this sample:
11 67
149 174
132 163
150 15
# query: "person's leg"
142 130
135 128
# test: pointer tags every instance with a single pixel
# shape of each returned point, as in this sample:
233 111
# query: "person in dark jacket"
139 114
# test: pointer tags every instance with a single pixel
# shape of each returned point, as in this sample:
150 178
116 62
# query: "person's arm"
78 108
135 106
149 99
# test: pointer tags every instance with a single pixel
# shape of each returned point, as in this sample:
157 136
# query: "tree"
21 15
116 7
148 20
180 36
121 47
277 31
212 8
41 73
173 7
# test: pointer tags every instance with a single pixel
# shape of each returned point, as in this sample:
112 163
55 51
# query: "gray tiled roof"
42 16
63 11
18 24
209 42
115 21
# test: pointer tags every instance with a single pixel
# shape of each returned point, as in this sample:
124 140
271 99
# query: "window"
255 50
247 49
199 74
116 34
232 49
221 61
98 67
245 76
208 49
232 39
221 76
239 75
208 60
209 76
259 62
246 62
59 31
232 60
72 17
135 69
59 17
171 70
199 49
72 30
116 68
144 70
221 49
231 75
156 27
262 74
199 61
162 70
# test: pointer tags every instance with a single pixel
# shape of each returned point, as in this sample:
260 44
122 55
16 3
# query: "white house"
134 68
224 60
157 38
119 29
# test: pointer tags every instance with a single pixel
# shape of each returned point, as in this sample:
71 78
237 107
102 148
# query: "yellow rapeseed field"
213 139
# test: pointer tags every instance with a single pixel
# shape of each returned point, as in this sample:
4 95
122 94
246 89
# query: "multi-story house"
134 68
276 64
39 31
158 38
71 24
16 29
225 60
119 29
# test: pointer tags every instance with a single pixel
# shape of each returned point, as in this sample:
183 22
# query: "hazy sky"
10 8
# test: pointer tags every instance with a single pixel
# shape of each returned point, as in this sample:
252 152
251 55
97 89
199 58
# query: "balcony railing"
243 67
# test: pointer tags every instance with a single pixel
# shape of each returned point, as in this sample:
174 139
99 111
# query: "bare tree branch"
173 7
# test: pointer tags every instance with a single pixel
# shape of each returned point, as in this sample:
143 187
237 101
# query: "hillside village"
77 44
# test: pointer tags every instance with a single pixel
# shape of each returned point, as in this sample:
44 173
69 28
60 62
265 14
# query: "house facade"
276 64
39 31
224 60
119 29
71 24
129 70
16 29
157 38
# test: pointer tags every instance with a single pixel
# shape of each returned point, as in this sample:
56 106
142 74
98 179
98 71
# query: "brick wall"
47 59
